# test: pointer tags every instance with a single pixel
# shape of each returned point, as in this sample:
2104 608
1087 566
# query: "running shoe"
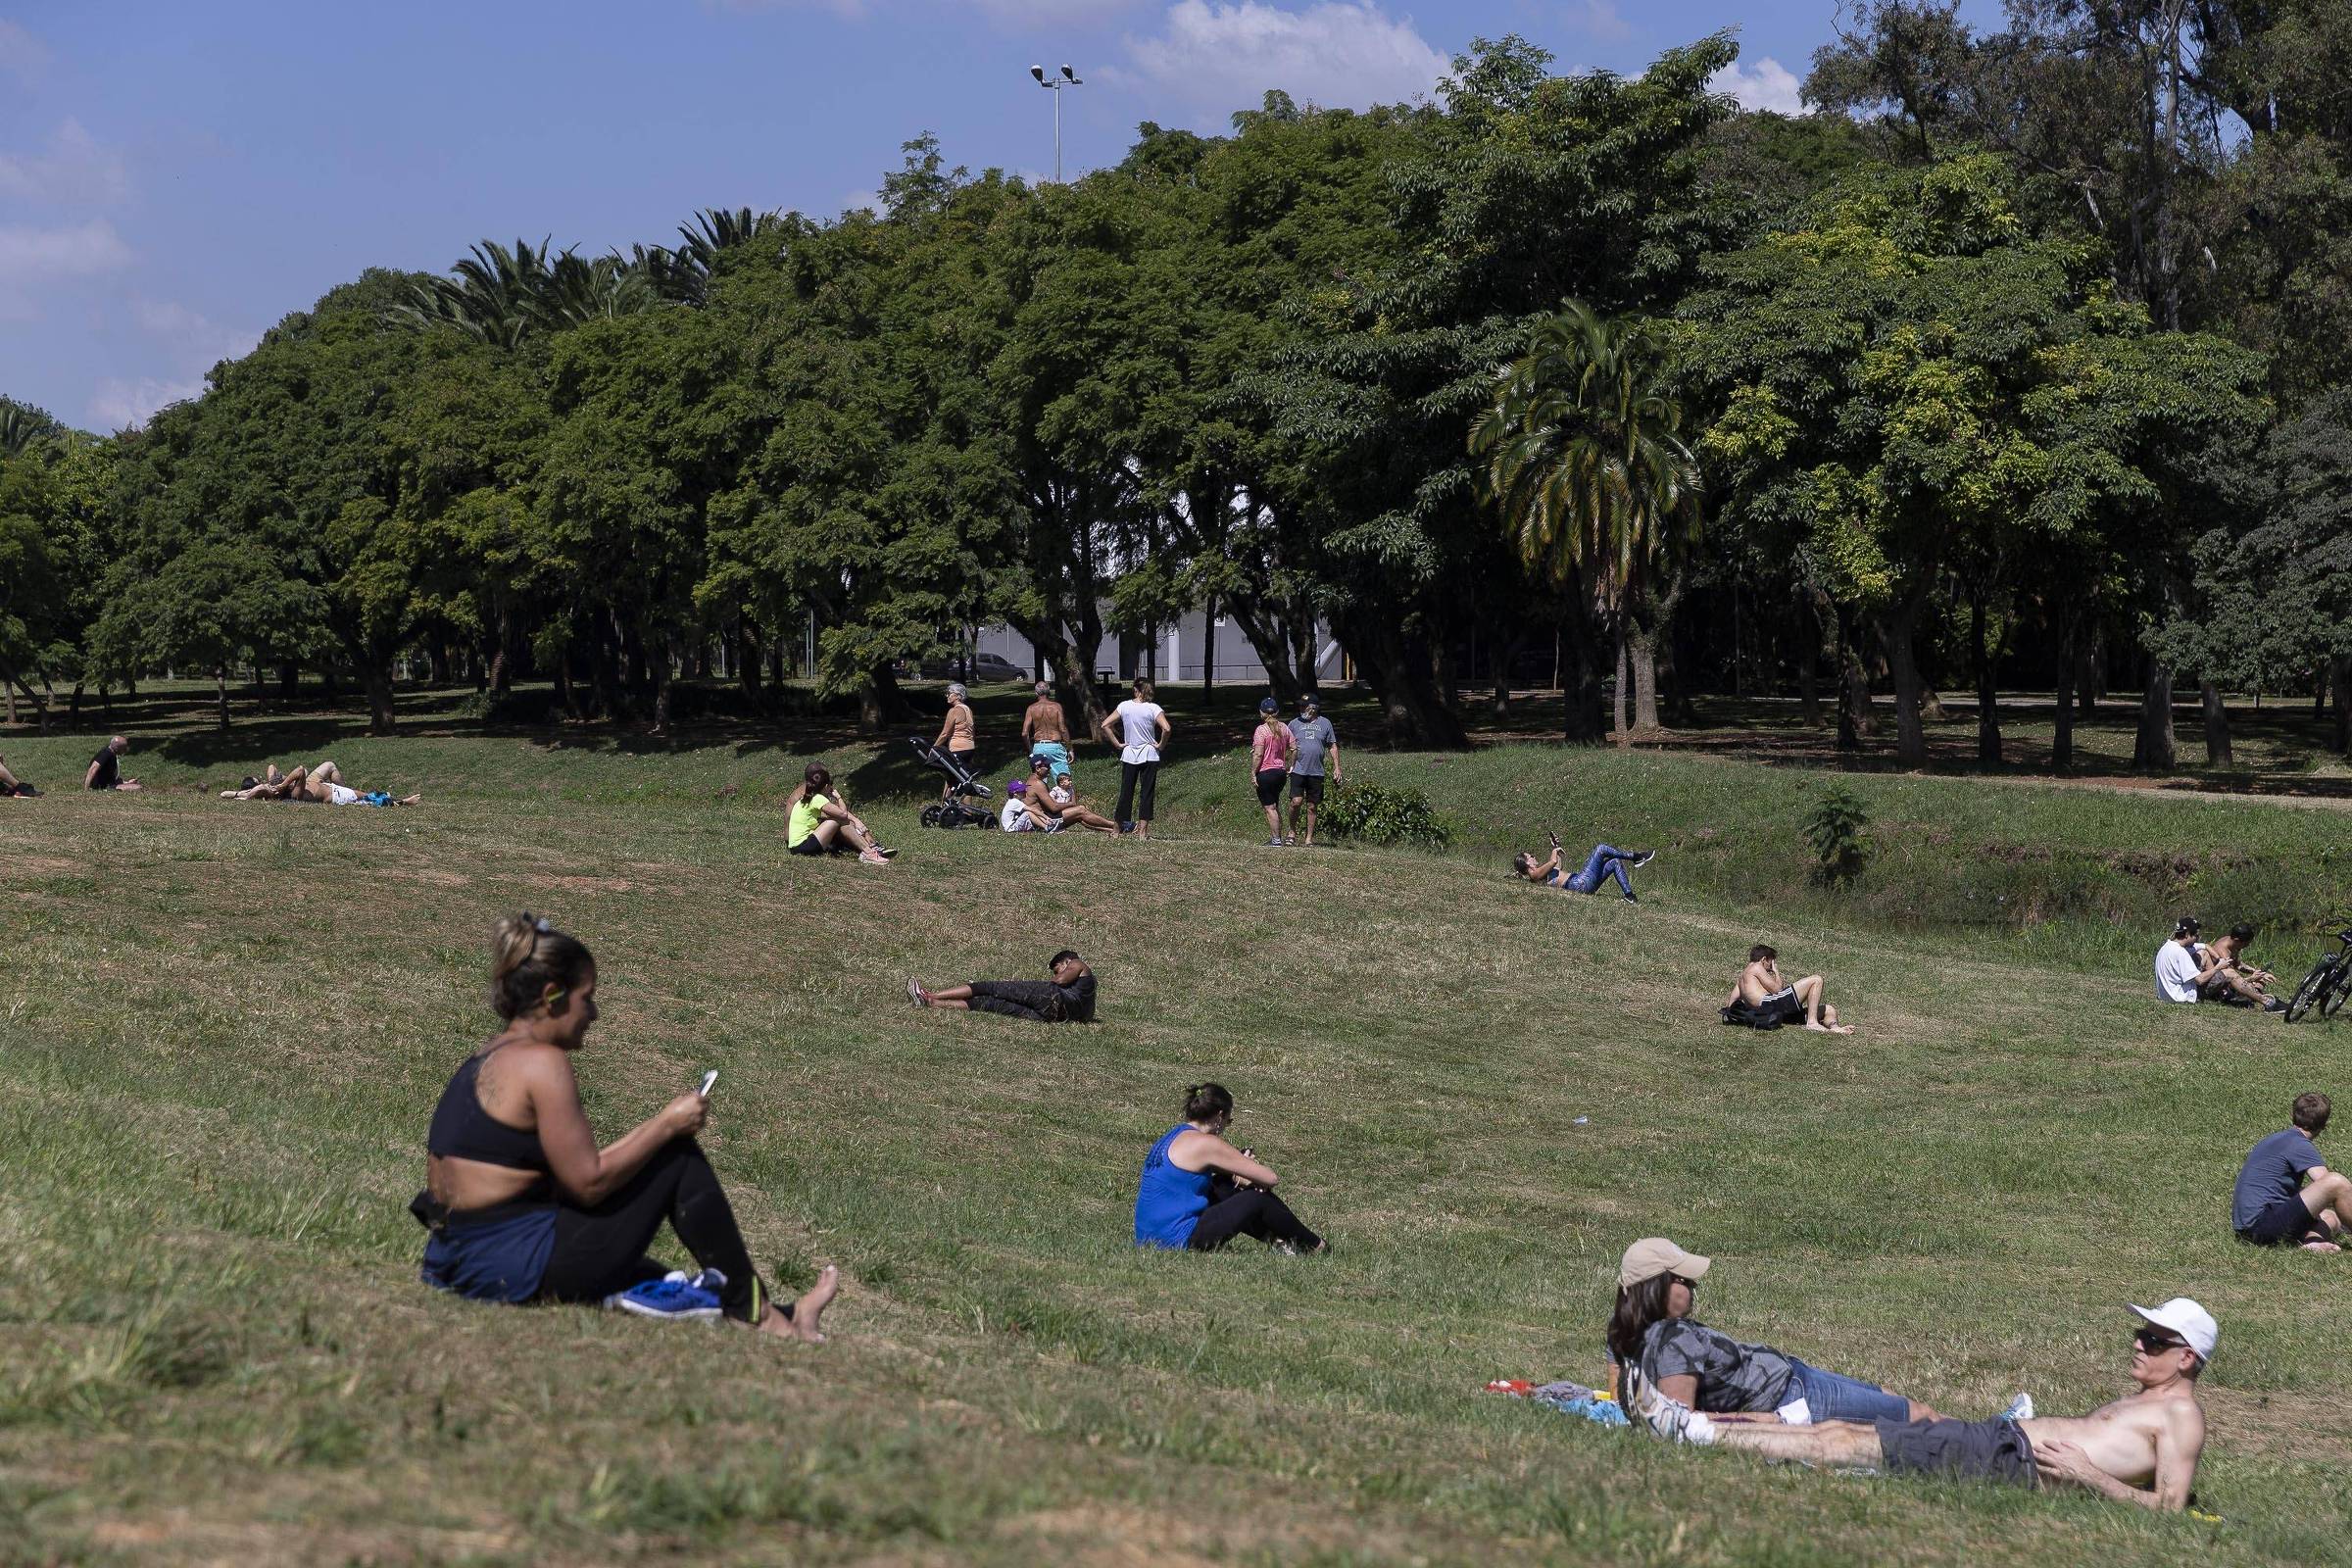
1629 899
914 994
673 1295
1643 859
1274 844
2020 1408
1672 1419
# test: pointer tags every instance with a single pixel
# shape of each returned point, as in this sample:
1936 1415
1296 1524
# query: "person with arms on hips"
1067 997
2286 1195
1270 752
818 820
104 771
1767 997
956 736
1657 1343
1139 728
1197 1191
1605 862
1315 750
521 1204
2143 1449
2188 971
1047 730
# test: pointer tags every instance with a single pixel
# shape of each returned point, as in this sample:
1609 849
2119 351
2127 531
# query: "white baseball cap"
2185 1318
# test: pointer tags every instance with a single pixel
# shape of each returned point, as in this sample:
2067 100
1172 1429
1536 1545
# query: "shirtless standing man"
1047 730
1762 989
2140 1448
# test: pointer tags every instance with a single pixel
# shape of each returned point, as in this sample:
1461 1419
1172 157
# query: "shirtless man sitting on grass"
2141 1448
1762 989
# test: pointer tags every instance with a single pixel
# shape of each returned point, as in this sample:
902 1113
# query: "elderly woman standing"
956 733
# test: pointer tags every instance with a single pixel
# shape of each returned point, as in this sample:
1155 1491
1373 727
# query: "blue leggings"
1606 861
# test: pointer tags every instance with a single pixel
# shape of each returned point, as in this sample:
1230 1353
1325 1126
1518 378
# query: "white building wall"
1182 648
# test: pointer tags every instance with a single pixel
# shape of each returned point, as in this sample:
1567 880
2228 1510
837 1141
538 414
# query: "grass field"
222 1026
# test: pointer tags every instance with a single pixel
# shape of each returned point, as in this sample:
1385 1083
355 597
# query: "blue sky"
175 177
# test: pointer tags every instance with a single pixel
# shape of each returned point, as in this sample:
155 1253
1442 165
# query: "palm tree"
1585 459
22 426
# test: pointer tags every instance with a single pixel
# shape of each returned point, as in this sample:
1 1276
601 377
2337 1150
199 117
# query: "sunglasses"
2154 1344
1686 1284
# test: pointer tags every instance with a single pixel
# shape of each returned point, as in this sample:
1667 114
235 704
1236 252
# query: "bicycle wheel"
2333 1001
2316 985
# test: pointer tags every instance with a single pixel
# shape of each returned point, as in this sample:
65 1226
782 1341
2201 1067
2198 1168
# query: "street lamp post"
1055 84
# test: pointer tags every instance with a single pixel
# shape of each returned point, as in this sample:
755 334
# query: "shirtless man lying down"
2141 1448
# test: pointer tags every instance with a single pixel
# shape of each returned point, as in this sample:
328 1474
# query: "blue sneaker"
674 1295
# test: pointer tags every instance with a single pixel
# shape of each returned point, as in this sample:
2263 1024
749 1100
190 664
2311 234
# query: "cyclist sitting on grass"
1764 994
2188 972
522 1204
1606 861
2286 1195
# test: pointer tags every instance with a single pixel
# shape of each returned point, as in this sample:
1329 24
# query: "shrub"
1377 814
1834 827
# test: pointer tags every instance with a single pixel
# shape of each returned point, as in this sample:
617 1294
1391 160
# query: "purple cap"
1018 786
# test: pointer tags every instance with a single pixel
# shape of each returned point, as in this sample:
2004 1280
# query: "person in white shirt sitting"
2186 973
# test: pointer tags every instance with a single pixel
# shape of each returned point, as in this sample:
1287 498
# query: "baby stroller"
956 810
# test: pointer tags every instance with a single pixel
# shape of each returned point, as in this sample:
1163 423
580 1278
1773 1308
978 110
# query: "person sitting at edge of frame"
1604 863
2286 1195
522 1206
1652 1332
1197 1191
2190 972
1067 997
2141 1448
1762 992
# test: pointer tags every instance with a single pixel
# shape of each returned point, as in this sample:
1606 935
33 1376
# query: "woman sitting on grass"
523 1206
1662 1353
819 822
1198 1192
1604 862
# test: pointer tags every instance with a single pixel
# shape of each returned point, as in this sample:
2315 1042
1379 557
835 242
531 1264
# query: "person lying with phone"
1606 861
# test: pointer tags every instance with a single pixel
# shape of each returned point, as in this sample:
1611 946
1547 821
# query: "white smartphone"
709 1079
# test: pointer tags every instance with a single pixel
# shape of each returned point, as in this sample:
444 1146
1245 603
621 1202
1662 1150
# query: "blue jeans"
1832 1396
1606 860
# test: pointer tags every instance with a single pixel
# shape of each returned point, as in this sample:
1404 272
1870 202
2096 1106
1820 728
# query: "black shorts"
1308 787
2219 991
2282 1223
812 844
1977 1450
1781 1007
1269 786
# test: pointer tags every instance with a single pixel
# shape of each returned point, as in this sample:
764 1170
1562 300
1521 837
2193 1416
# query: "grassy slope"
221 1028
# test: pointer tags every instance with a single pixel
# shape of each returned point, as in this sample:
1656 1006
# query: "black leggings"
600 1251
1248 1212
1036 1000
1130 774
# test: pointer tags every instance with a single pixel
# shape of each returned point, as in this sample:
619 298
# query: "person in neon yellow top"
819 822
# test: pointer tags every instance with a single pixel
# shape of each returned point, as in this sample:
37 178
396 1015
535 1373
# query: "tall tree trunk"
2062 718
2319 693
2340 677
220 694
747 655
1397 669
1617 697
1897 629
2154 746
376 672
1584 721
665 663
289 679
1989 708
1208 647
436 652
2216 725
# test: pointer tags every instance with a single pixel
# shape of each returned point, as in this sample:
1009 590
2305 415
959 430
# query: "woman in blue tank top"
1198 1192
524 1206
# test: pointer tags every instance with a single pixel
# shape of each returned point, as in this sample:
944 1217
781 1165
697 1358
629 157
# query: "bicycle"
2329 982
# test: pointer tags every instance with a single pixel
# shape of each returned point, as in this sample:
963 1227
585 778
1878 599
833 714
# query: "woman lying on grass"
1604 863
1198 1192
524 1207
1661 1350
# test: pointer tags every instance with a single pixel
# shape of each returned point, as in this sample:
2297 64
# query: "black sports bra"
463 1130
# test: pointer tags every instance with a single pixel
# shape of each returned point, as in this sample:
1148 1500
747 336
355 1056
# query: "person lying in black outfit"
1067 997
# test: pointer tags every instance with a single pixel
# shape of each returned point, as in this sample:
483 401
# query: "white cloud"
21 55
30 257
1769 85
199 339
76 171
1215 58
1032 14
118 404
1599 18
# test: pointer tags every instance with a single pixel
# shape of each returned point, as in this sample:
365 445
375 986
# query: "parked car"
984 667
